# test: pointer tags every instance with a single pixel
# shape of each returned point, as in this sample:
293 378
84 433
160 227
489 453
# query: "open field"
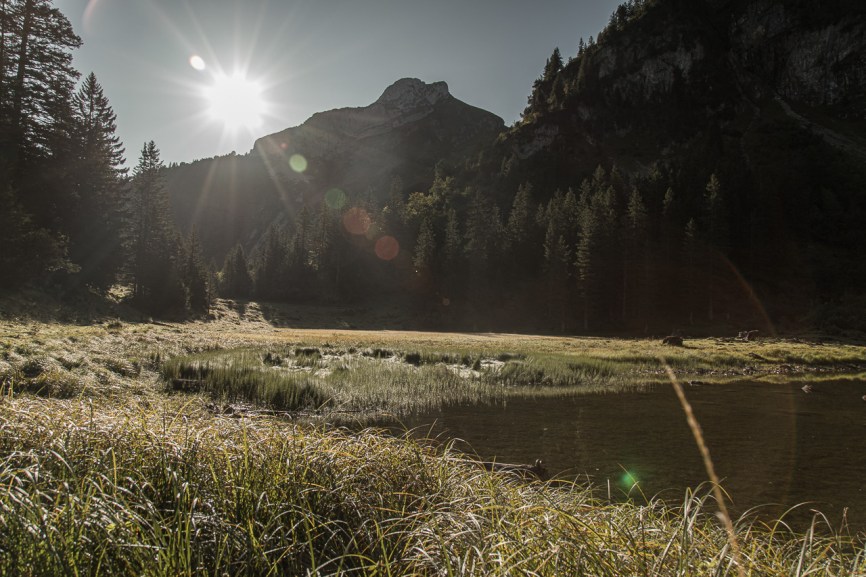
161 448
390 371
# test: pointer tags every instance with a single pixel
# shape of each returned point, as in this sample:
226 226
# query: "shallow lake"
772 445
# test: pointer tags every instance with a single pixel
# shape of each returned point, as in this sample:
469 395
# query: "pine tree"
483 232
27 250
636 259
394 212
235 279
154 246
93 221
587 255
557 257
36 80
716 215
452 248
425 248
520 238
196 277
271 272
553 66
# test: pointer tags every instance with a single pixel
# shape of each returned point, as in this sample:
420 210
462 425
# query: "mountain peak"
411 92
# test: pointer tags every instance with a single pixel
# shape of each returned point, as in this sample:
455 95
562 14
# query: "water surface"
771 443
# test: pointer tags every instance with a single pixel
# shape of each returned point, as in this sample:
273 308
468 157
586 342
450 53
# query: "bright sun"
236 101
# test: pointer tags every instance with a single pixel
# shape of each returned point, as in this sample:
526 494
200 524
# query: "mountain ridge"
358 150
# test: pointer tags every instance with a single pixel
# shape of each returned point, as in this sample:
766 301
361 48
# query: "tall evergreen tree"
635 276
553 65
154 245
196 277
425 247
521 242
93 221
235 279
587 255
36 82
557 257
271 272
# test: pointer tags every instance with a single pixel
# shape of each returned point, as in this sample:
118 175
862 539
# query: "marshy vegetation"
363 378
157 488
121 466
293 378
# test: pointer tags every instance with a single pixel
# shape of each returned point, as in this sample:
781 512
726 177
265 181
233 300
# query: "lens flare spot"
628 480
373 231
387 248
197 62
446 301
356 220
335 199
89 11
298 163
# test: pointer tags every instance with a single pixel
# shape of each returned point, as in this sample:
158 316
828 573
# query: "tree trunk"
17 132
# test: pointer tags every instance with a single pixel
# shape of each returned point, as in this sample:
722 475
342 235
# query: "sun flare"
236 101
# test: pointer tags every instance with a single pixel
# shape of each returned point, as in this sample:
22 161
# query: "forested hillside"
696 165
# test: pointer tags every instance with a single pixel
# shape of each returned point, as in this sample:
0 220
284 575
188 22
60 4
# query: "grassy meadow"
209 448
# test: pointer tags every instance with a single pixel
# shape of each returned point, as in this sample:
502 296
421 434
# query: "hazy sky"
308 56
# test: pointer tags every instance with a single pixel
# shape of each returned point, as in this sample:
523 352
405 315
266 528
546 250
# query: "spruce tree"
196 277
271 273
635 276
587 255
557 257
154 246
552 66
36 83
235 279
521 240
93 222
425 248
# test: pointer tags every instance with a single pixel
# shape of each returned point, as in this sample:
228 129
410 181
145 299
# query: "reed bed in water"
396 381
160 488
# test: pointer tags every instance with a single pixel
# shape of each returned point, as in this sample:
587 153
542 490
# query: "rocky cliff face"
679 71
818 63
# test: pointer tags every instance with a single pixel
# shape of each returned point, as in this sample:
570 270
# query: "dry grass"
161 488
102 471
